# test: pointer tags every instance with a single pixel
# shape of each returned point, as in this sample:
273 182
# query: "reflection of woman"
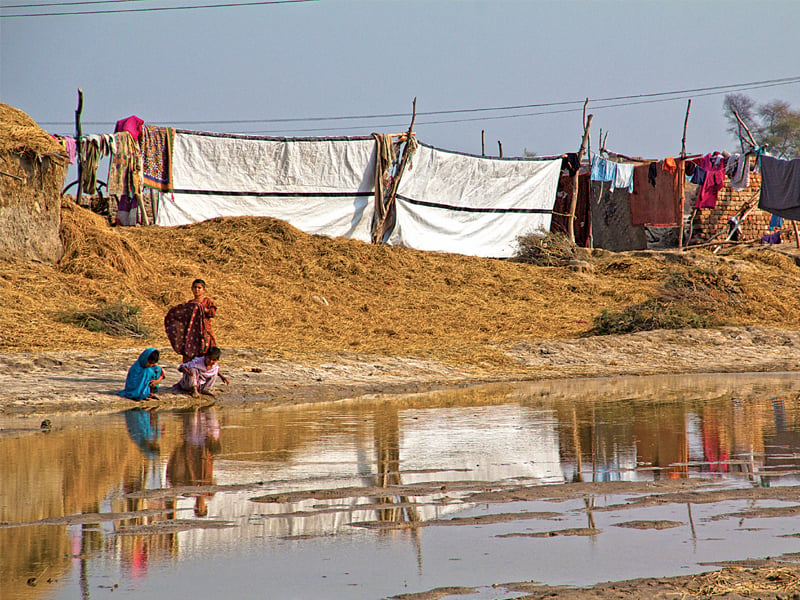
143 376
188 325
143 429
192 463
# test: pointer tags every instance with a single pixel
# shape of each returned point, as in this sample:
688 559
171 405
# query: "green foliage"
649 315
548 250
120 319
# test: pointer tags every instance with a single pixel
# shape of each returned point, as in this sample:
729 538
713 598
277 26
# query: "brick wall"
710 221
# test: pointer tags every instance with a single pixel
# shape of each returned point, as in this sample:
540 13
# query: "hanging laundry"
714 167
659 204
669 165
652 173
90 159
125 170
132 125
157 157
780 187
775 222
623 178
571 163
603 169
737 168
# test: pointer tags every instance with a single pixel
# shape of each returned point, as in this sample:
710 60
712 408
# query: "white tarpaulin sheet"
320 186
450 202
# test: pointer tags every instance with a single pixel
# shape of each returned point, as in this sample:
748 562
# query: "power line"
651 98
154 9
500 117
70 3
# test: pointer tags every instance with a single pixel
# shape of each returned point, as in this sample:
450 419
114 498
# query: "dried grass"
19 133
289 293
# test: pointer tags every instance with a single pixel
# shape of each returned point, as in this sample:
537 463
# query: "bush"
120 319
548 250
649 315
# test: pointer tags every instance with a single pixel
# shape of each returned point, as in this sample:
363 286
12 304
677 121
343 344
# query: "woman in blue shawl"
143 376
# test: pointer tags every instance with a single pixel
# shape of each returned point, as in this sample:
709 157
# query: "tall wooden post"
574 202
500 148
78 135
681 174
483 142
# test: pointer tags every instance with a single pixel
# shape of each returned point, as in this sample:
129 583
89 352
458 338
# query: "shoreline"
87 381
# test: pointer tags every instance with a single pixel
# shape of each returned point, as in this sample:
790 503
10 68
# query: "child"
200 374
143 377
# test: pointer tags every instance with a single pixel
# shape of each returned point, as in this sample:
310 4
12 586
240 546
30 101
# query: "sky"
298 68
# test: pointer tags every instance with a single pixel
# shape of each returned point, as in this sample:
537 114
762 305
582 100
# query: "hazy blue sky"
334 58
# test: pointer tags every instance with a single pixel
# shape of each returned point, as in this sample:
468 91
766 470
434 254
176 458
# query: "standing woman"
188 325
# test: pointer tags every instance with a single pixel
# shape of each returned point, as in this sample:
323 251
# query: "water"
376 498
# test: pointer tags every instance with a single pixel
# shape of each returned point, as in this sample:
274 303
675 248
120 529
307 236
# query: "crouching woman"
143 377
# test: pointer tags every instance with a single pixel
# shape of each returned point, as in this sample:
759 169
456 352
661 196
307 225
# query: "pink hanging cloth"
132 125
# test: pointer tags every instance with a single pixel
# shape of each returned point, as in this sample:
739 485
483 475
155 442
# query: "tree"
774 124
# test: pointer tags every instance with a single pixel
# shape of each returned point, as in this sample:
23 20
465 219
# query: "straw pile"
19 132
289 293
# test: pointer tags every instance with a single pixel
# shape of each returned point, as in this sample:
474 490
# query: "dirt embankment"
306 317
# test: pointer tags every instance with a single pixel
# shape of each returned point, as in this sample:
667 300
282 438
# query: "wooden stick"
500 146
78 134
17 177
742 123
796 234
574 202
483 142
682 174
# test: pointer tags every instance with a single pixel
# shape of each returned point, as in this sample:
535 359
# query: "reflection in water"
143 480
192 462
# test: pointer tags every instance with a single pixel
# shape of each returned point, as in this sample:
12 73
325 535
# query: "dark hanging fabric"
571 163
652 173
780 187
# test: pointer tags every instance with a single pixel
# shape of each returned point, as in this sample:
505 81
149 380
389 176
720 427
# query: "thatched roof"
18 133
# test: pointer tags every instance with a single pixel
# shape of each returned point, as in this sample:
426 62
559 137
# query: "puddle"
565 483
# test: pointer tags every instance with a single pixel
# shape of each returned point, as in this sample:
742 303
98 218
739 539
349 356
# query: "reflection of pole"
691 521
589 502
576 441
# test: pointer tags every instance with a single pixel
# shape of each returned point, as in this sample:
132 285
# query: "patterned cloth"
125 169
157 157
188 327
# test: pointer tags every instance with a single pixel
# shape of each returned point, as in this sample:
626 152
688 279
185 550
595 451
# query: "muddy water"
570 482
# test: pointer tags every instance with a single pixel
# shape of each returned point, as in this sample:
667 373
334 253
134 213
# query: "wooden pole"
796 234
483 142
742 123
574 202
78 134
500 148
682 173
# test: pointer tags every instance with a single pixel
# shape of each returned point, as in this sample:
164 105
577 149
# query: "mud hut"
32 172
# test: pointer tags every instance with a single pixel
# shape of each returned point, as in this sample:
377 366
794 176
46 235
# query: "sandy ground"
47 382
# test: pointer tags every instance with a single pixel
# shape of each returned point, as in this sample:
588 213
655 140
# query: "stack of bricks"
708 222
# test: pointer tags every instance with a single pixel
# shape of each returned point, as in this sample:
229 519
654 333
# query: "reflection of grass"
120 319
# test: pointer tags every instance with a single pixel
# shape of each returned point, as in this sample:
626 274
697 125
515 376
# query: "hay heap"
33 168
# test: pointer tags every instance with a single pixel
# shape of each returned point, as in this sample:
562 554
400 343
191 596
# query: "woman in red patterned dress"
188 325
